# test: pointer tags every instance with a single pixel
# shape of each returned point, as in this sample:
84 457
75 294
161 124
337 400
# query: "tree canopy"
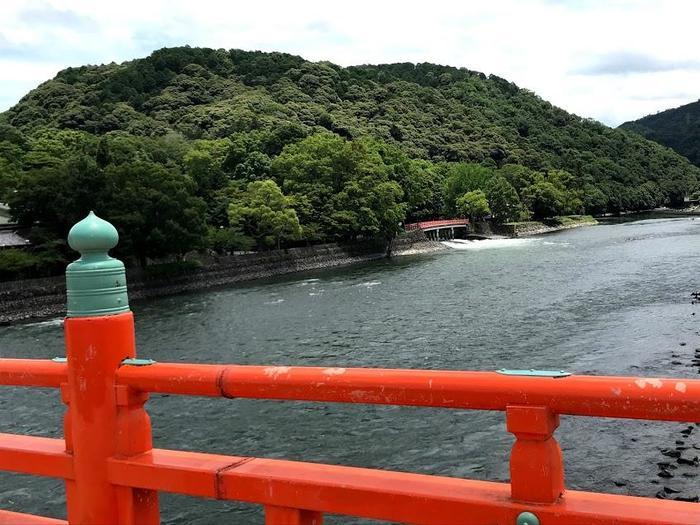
474 205
677 128
265 214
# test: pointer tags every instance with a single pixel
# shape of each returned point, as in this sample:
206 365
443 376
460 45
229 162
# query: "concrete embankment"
39 298
530 228
413 243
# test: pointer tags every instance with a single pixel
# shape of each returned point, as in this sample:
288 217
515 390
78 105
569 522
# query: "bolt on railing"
113 474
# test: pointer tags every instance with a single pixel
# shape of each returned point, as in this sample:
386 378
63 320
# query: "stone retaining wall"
414 242
36 298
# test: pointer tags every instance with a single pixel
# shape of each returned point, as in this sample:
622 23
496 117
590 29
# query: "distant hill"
226 150
677 128
433 112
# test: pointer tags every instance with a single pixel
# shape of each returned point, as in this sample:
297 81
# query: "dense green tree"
431 112
59 195
17 264
420 181
474 205
264 213
570 196
677 128
228 240
204 164
256 166
503 200
676 189
118 147
595 201
343 188
544 199
155 210
519 177
13 146
8 179
367 208
461 178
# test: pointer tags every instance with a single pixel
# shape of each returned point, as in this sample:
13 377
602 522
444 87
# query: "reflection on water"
609 299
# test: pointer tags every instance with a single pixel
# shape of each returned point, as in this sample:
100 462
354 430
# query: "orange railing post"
286 516
536 465
102 420
136 506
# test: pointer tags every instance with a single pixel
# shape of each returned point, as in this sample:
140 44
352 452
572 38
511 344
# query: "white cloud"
542 45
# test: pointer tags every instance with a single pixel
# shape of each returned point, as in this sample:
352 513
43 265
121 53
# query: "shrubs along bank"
220 151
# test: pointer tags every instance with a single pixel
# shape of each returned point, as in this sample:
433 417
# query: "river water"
609 299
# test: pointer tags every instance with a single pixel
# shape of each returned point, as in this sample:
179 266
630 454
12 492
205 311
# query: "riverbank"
41 298
531 228
414 242
684 212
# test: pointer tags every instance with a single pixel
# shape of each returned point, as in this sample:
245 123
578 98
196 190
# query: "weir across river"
113 474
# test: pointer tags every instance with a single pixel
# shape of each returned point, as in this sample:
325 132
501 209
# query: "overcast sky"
612 60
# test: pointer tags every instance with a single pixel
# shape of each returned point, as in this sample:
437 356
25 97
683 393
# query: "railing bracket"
133 361
534 373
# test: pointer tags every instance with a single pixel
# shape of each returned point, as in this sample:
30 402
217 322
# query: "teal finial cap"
96 282
93 234
527 518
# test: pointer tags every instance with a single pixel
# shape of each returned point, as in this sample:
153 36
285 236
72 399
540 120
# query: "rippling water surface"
609 299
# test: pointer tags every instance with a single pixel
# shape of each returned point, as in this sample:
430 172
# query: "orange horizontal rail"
18 518
39 456
616 397
32 372
375 494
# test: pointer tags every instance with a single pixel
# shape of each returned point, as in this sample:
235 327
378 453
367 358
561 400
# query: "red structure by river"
437 224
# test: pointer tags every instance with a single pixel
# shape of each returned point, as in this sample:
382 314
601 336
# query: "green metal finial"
95 283
527 518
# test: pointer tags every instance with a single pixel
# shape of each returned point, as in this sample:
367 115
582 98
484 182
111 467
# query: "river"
609 299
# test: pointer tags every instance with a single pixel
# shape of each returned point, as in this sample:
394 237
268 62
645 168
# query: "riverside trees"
474 205
169 196
263 213
343 188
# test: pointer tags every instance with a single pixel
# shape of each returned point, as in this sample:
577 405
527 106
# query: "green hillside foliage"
194 149
678 129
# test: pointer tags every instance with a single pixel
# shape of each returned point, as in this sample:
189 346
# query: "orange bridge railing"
113 474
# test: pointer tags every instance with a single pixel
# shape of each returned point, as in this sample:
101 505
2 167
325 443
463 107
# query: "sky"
611 60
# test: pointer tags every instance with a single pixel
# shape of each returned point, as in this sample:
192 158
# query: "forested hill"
195 148
433 112
677 128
